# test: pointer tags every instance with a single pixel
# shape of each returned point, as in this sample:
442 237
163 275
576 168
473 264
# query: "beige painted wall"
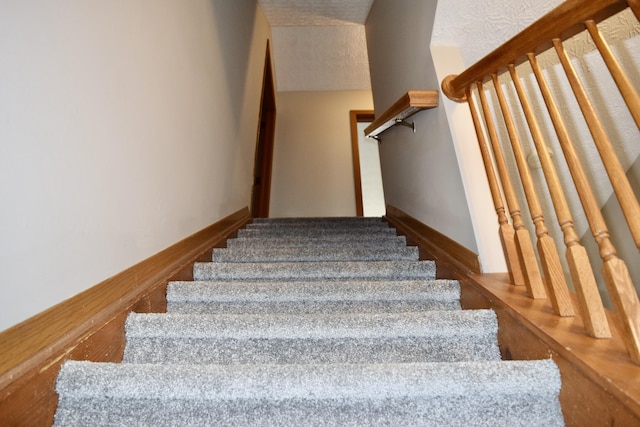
312 165
125 126
420 170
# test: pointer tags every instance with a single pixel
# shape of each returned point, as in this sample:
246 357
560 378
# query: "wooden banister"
535 39
409 104
554 278
505 230
621 186
532 276
584 281
550 32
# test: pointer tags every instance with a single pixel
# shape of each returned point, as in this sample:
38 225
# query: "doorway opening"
261 188
367 175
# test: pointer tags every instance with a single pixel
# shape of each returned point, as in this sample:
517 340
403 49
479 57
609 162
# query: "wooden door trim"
355 117
264 142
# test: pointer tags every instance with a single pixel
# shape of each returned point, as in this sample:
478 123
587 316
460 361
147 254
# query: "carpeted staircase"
318 321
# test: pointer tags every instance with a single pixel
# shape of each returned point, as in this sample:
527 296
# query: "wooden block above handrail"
409 104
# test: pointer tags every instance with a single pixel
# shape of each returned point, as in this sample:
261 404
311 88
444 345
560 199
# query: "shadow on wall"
620 237
235 49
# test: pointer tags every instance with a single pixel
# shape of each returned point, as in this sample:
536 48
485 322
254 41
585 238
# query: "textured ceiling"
314 48
457 23
316 58
282 13
319 44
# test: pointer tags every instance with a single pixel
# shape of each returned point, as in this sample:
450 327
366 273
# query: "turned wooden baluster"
554 277
617 176
506 231
585 284
616 275
626 88
532 278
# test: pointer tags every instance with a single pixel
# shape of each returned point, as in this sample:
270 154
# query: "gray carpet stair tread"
312 297
360 241
355 225
315 232
300 322
319 220
434 336
514 393
352 253
379 270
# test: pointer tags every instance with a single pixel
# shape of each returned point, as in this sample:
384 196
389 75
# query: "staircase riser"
314 271
390 242
319 220
310 351
315 232
359 225
197 307
270 339
490 411
304 297
306 254
475 393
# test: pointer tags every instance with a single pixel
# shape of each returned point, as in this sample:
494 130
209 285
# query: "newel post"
449 91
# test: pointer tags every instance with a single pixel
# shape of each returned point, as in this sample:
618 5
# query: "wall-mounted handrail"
480 82
409 104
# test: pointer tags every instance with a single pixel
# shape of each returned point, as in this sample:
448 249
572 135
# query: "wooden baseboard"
600 383
90 326
452 257
599 380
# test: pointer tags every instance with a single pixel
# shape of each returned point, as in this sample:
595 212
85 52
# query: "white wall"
458 36
420 170
370 174
125 126
313 164
447 60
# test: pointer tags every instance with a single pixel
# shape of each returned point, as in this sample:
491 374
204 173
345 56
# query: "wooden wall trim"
599 380
90 324
446 251
355 117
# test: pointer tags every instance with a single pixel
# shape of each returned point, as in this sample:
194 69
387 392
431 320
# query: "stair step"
311 297
312 321
250 254
360 241
514 393
365 225
429 336
377 270
320 220
312 232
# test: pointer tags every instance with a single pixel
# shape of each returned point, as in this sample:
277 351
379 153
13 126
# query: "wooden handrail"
535 39
409 104
550 32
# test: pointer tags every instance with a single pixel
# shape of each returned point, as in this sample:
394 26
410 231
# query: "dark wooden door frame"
261 188
355 117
